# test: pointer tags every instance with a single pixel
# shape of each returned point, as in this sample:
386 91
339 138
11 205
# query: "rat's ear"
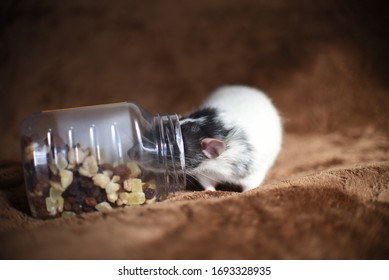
212 148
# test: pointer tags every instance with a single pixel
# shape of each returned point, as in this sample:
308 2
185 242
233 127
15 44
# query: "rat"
233 138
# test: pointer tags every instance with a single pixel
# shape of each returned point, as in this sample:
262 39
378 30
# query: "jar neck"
170 153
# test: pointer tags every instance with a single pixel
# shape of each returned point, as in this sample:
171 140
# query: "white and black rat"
233 138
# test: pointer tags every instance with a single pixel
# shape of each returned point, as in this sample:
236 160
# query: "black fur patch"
206 124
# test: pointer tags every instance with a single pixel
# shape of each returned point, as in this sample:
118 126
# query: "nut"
101 180
103 207
89 167
112 188
112 197
66 178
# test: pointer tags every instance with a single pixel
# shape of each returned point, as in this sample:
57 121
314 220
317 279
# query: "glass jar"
99 157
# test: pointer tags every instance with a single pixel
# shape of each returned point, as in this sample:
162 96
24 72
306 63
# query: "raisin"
149 193
86 183
76 208
86 208
107 166
67 206
90 201
93 192
145 186
123 172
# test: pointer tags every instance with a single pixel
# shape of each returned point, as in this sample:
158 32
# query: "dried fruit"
124 196
149 193
90 201
115 179
86 183
67 206
112 197
112 187
108 173
95 192
54 193
77 183
89 167
56 185
119 202
134 169
122 171
107 167
127 185
150 185
76 207
136 198
68 214
103 207
136 184
51 206
151 201
101 180
60 203
66 178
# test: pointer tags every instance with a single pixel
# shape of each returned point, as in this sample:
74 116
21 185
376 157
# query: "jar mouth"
171 154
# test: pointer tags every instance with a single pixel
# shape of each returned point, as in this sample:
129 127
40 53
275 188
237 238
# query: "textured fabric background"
323 63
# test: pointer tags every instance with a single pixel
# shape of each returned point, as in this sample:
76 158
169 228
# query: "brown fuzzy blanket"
323 63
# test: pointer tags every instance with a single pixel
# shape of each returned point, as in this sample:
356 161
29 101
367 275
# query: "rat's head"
201 141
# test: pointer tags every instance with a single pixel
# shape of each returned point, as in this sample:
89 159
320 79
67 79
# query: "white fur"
251 111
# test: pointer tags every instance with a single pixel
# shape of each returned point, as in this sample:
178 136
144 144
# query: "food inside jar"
66 181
